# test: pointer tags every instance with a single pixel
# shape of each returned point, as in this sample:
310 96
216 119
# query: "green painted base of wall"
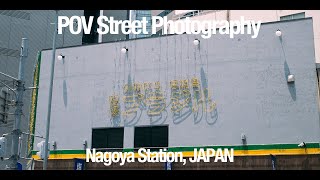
244 150
283 162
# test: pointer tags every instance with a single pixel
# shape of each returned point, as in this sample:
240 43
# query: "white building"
255 15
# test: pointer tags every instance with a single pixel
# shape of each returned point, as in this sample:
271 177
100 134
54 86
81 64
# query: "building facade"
36 25
118 15
138 15
165 92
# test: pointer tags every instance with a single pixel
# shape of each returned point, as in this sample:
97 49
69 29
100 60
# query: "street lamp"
278 33
196 42
46 148
61 57
124 50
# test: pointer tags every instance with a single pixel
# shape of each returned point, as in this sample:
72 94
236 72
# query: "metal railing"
194 13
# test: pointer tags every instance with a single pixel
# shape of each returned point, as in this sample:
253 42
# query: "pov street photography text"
108 25
146 155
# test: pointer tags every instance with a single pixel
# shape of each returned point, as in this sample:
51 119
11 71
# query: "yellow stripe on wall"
298 151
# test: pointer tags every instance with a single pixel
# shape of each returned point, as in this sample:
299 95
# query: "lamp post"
18 112
46 149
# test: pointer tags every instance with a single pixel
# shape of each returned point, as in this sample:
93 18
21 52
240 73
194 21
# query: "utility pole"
46 148
18 112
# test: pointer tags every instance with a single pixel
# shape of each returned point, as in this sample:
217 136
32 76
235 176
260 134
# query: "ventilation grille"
9 52
16 14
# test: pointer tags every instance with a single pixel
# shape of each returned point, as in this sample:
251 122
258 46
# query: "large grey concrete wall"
247 79
36 26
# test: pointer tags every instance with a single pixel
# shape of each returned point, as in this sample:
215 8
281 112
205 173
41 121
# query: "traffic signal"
41 148
3 142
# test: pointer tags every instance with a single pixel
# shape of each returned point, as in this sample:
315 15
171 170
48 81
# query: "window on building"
191 14
293 16
154 136
107 138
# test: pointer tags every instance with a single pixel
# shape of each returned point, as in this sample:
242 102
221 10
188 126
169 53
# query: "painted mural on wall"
170 99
